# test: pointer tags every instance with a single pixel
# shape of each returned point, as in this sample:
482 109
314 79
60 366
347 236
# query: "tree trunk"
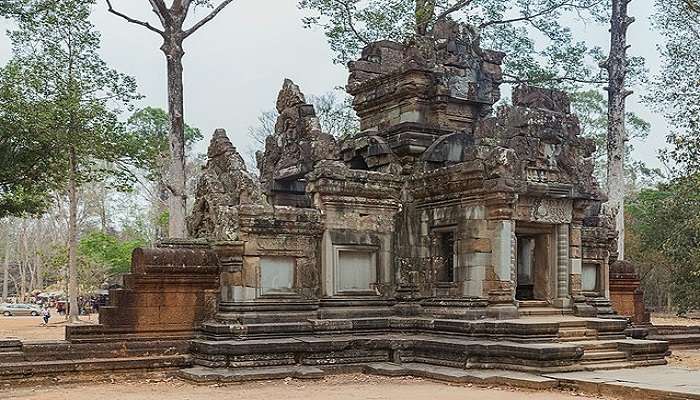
103 208
177 202
72 236
425 12
39 271
22 282
160 206
6 270
616 65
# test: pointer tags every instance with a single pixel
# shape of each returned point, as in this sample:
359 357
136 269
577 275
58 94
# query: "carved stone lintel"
545 210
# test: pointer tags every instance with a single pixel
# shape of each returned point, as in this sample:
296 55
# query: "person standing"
45 315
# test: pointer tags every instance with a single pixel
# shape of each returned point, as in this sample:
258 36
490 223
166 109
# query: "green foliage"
666 223
535 35
68 91
109 250
26 150
162 220
675 90
10 8
149 128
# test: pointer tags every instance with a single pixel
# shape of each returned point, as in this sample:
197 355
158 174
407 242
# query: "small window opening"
446 254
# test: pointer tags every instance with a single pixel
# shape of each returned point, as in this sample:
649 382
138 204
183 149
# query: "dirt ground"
30 328
670 319
348 387
686 359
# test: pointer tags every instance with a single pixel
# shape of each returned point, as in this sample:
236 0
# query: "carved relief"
546 211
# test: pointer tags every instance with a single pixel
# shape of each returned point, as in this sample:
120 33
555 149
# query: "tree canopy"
535 35
675 90
25 150
70 97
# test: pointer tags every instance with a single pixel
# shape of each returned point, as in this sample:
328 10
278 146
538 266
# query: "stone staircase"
610 349
34 359
678 337
601 351
11 351
535 344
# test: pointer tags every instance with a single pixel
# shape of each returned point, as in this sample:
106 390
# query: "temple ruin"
446 232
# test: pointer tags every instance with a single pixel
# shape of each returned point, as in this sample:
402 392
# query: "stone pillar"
580 305
576 263
563 266
502 286
503 244
230 256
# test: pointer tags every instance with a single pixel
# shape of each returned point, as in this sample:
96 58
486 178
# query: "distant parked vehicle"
9 310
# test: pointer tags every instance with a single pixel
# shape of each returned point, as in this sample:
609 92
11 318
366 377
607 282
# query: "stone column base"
562 303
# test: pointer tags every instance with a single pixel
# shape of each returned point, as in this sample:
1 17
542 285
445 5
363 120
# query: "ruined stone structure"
626 293
438 228
434 207
170 291
443 233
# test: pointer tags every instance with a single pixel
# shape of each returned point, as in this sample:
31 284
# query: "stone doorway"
534 259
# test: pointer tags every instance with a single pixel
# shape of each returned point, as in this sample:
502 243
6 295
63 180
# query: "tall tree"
506 25
174 33
617 66
56 66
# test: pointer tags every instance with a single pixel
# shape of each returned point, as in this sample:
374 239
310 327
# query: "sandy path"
685 358
349 387
30 328
669 319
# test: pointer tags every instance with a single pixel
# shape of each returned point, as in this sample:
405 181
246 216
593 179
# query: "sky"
235 65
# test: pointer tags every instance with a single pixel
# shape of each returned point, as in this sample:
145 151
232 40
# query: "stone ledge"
434 372
17 371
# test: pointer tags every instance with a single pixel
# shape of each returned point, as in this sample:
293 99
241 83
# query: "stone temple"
444 233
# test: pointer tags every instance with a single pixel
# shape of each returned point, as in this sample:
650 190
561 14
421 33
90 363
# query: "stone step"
597 345
680 341
21 370
615 364
458 375
11 356
10 345
573 339
543 311
598 356
572 332
577 334
533 303
428 371
204 374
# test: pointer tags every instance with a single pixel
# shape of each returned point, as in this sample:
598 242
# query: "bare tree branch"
693 5
514 80
456 7
186 7
350 23
208 18
133 20
531 16
161 10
